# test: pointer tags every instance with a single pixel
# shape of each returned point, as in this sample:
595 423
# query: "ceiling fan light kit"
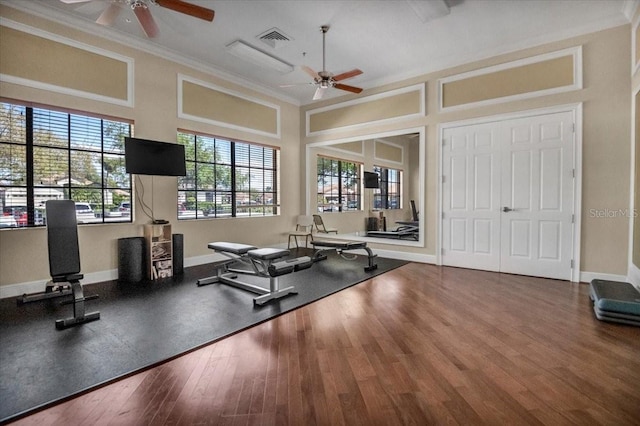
324 79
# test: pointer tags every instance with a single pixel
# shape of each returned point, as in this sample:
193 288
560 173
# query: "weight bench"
264 262
64 264
342 246
615 301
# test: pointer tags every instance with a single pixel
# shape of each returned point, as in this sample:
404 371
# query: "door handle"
507 209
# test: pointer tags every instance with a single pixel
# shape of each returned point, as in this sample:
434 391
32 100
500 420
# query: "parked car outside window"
8 221
84 213
125 208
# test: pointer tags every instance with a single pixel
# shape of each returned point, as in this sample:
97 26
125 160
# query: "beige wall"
23 252
605 139
606 98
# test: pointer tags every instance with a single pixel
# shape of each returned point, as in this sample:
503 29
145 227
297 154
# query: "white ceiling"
387 40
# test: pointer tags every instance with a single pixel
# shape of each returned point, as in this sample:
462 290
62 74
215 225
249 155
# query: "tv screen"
145 157
371 180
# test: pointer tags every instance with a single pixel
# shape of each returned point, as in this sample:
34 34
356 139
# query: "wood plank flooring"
419 345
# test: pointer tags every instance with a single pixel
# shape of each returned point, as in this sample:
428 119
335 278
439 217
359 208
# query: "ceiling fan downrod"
324 29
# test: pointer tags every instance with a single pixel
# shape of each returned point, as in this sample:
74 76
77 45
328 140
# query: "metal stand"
264 263
51 291
342 247
79 315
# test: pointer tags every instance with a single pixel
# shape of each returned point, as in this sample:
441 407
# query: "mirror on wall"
335 186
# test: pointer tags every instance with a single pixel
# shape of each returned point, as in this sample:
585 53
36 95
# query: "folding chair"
304 228
317 220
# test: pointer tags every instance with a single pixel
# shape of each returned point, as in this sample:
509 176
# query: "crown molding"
110 34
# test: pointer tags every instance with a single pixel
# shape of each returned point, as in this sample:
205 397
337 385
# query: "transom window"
389 194
339 185
48 154
227 178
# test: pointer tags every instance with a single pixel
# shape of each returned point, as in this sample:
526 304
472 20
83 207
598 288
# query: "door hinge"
571 263
443 179
443 215
573 127
573 173
442 251
573 218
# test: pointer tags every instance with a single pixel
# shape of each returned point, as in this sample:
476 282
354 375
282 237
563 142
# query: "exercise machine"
269 263
64 264
343 247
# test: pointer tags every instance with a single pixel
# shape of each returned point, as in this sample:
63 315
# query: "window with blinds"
227 178
389 194
47 154
339 185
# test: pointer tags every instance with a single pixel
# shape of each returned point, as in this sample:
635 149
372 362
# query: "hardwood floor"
419 345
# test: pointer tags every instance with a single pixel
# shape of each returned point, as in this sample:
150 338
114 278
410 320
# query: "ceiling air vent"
274 38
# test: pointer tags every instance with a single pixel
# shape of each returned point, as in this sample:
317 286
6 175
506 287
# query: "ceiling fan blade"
109 15
311 72
319 93
346 75
347 88
149 26
74 1
188 9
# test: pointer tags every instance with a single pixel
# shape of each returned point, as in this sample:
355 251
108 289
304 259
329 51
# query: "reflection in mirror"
365 186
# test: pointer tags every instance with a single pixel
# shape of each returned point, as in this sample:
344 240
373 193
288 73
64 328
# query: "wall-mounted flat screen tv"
371 180
146 157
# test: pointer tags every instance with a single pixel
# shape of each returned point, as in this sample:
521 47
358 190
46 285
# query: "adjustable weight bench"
343 246
264 262
64 264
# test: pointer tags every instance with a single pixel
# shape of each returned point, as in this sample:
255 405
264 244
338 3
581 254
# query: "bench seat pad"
235 248
268 253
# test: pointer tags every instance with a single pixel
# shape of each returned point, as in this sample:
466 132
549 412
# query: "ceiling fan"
324 79
143 14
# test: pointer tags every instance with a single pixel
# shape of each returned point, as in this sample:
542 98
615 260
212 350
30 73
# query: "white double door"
507 198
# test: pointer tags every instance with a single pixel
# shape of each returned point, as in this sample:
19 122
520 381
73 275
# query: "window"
227 178
338 185
388 196
48 154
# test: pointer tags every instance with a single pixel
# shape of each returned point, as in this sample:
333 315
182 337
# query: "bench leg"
79 315
221 269
372 266
275 292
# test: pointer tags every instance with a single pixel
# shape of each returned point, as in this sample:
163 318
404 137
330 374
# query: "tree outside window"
226 178
339 185
50 154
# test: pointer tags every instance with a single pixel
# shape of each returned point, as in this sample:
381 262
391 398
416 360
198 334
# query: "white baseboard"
15 290
409 257
587 277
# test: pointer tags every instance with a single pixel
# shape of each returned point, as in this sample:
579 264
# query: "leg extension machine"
264 262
